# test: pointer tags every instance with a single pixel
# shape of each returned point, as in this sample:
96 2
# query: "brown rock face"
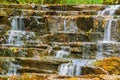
81 23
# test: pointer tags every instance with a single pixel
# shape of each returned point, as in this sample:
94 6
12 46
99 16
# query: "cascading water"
107 33
65 25
17 36
73 68
109 11
63 52
13 69
17 23
73 27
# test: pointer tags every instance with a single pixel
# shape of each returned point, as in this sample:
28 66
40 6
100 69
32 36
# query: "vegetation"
53 1
62 1
111 1
84 1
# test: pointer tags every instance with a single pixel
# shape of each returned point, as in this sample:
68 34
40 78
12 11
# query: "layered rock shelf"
37 41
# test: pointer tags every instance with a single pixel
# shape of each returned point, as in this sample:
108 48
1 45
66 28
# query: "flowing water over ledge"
66 40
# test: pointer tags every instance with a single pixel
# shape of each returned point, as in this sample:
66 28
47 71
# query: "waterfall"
13 69
73 26
63 52
17 36
16 33
65 25
73 68
99 54
107 33
109 11
17 23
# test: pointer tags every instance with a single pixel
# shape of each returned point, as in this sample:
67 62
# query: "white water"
73 68
73 27
62 52
65 25
17 23
13 69
17 36
109 11
107 33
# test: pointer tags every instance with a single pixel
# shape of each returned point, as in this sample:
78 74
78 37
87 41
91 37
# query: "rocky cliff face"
76 29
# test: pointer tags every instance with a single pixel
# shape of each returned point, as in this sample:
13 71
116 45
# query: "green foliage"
53 1
84 1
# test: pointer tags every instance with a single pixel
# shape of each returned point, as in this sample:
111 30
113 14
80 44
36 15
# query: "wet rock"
76 49
85 50
35 70
67 37
94 36
81 23
110 49
17 6
40 63
4 24
36 24
20 52
2 13
5 65
111 2
58 7
117 12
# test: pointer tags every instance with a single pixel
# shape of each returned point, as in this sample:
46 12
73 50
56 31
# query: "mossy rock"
3 13
81 23
111 65
111 1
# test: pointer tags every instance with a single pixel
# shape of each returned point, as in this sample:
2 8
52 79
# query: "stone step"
60 7
23 64
22 52
72 7
35 70
73 37
16 6
45 63
93 70
27 12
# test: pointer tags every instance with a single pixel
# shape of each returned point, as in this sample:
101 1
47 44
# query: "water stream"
17 36
65 25
13 69
63 52
74 67
72 26
108 11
